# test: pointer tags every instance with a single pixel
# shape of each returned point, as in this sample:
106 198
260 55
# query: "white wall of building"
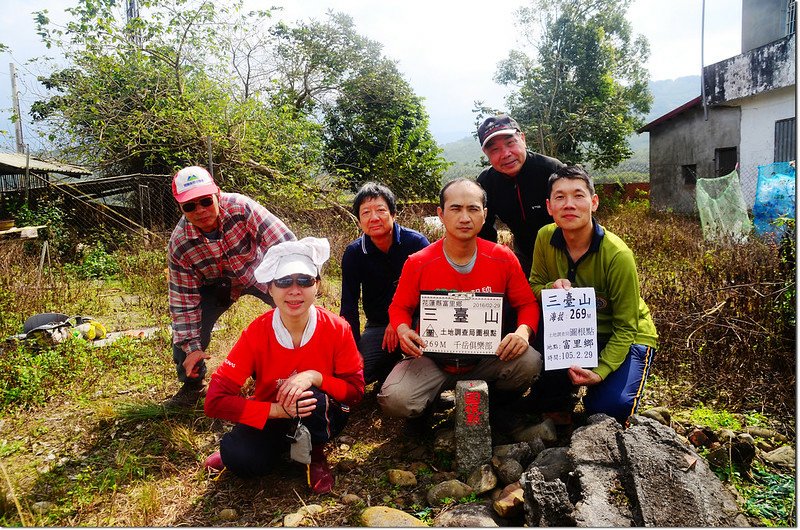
757 147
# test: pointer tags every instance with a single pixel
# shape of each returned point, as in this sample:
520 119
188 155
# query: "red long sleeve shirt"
331 351
497 270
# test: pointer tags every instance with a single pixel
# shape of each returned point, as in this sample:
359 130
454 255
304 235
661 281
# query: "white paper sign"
461 323
570 328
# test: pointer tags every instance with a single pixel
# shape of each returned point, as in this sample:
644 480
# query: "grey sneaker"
188 396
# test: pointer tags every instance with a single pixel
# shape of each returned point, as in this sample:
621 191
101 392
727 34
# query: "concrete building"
748 119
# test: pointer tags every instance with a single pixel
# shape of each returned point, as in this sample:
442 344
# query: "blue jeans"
250 452
213 303
618 395
377 361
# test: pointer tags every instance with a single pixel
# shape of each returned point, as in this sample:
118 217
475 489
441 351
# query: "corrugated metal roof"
15 163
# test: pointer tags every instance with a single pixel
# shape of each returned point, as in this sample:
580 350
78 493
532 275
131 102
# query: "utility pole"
702 61
17 113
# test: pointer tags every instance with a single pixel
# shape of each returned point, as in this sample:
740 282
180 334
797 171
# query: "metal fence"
139 205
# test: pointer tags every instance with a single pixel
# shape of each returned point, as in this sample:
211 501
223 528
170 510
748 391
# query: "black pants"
250 452
215 299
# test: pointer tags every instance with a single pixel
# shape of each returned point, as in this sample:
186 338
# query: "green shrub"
61 238
96 263
30 376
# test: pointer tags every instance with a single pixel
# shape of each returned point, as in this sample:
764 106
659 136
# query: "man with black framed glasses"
213 252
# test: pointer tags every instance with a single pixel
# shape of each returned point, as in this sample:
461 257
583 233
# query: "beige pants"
414 384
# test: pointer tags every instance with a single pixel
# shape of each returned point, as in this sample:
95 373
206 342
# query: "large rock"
449 489
472 515
383 517
552 463
664 490
510 502
401 477
783 456
482 479
595 455
473 435
546 501
521 452
643 476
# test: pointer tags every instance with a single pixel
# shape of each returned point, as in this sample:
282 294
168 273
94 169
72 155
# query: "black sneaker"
188 396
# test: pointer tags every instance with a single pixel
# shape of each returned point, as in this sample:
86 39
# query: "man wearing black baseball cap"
516 185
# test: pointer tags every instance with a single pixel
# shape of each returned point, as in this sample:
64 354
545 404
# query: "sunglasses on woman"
205 202
303 280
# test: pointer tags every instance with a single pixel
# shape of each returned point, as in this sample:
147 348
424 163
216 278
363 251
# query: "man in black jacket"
516 185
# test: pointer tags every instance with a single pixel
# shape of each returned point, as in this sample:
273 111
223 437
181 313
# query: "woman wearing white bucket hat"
306 367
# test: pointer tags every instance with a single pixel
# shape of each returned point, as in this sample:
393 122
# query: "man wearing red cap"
515 185
213 252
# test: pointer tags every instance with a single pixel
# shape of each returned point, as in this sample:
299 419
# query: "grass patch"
707 417
771 497
768 495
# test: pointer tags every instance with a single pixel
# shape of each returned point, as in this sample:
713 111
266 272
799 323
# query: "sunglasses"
302 280
205 202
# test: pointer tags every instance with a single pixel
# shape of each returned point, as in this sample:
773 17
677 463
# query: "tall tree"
314 59
146 95
377 129
583 89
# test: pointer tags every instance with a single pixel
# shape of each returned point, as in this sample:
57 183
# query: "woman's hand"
302 408
292 389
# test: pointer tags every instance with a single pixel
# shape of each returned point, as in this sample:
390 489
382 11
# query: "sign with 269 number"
570 328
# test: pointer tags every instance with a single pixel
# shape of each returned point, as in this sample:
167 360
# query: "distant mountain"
668 94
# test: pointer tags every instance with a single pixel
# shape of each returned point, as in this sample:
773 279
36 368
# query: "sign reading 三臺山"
461 323
570 328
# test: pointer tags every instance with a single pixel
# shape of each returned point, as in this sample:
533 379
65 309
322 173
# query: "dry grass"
107 453
725 314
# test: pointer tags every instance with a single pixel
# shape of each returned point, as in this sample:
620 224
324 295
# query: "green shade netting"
723 212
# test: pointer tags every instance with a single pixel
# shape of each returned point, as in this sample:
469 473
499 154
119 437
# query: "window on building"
785 138
724 160
689 173
790 13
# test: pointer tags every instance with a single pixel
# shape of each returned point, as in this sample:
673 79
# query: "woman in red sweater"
306 368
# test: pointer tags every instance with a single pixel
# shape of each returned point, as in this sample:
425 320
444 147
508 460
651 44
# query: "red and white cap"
192 182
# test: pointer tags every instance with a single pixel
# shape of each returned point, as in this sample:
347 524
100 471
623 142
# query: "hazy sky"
447 49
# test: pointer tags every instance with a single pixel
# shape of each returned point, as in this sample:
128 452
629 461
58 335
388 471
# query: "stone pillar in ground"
473 436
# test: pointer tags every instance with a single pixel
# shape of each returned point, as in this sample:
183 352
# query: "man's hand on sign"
582 376
192 363
562 283
389 339
410 341
514 344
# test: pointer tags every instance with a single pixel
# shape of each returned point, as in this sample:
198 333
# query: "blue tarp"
775 197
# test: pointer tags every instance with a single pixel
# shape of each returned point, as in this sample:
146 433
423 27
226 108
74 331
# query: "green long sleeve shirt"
623 318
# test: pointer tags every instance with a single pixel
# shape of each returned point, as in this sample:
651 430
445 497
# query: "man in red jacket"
460 261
